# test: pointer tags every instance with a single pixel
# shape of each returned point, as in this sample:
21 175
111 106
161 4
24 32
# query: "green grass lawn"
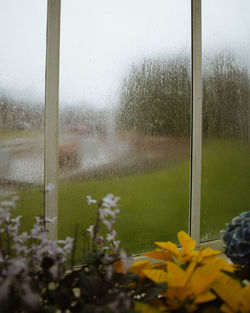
154 206
225 184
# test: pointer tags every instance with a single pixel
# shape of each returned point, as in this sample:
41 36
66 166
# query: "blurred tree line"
18 114
155 97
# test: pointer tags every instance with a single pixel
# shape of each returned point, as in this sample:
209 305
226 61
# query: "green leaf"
128 278
154 291
91 285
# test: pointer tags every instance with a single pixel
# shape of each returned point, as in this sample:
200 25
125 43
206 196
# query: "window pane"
226 149
22 63
125 116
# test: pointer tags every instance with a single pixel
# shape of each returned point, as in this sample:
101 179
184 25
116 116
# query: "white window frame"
51 112
51 119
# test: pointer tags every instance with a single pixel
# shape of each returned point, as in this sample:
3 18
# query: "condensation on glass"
226 114
22 63
125 116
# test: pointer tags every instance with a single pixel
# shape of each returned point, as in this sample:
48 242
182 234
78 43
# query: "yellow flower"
187 253
138 267
159 254
221 262
236 298
186 288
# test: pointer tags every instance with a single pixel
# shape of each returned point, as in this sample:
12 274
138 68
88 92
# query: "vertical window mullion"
196 125
51 113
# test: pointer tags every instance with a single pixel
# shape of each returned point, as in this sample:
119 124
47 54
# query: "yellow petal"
245 295
220 262
202 277
144 308
159 254
227 288
157 276
226 309
177 277
158 305
172 305
187 243
169 246
180 293
119 267
189 271
205 297
138 266
158 266
209 252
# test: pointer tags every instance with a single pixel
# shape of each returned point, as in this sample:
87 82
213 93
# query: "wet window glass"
125 116
226 119
22 64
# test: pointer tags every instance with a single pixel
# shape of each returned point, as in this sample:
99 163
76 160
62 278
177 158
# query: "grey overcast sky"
100 39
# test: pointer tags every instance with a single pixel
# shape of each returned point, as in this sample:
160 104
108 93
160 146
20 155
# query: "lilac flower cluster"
32 266
22 254
107 215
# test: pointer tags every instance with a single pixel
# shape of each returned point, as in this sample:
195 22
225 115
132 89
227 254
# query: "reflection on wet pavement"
83 155
28 166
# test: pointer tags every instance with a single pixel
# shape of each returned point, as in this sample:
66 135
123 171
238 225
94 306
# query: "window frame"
52 108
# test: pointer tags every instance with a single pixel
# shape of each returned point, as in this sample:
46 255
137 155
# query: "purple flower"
111 237
55 271
49 188
115 245
108 223
111 213
51 220
109 272
127 261
16 266
29 297
20 249
68 244
110 201
4 216
8 203
16 220
90 229
90 200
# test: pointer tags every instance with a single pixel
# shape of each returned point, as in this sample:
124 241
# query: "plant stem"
96 228
74 246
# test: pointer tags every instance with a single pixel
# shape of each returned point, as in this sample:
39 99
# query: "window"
125 79
22 89
226 167
133 101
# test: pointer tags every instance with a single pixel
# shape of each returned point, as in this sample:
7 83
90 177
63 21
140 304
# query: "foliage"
33 277
163 191
189 274
237 239
196 280
236 298
225 97
155 97
29 262
19 115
